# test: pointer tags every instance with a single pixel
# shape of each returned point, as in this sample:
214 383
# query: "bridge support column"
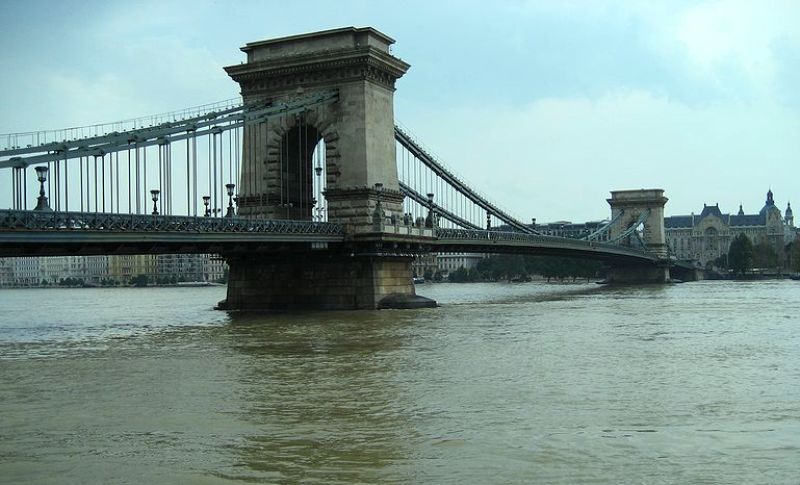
310 280
687 274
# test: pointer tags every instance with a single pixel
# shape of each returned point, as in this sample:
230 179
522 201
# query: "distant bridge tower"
360 171
631 207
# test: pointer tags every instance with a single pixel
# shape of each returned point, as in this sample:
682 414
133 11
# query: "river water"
504 383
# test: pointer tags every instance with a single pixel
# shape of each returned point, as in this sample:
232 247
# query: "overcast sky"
544 105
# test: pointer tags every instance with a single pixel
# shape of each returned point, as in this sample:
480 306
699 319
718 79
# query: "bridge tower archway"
643 208
358 129
643 212
296 169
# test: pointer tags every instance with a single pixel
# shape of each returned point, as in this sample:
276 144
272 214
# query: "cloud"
714 31
546 105
734 49
738 32
557 158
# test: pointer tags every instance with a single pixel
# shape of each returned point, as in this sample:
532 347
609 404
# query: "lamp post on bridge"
430 221
287 206
42 203
488 221
154 193
206 201
231 212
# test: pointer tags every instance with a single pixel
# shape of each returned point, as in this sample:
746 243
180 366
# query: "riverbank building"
707 236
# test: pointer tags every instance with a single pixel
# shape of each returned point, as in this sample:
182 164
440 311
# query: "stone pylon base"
307 280
625 275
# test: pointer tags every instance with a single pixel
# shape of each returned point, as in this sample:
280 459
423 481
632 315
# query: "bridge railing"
519 237
14 220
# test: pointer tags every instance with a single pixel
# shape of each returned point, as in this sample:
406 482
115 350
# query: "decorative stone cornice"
323 67
388 195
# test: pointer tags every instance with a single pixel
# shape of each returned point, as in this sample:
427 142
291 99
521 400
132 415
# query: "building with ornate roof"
707 236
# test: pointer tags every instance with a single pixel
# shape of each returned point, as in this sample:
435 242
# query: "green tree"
139 280
740 254
794 255
458 276
764 256
519 268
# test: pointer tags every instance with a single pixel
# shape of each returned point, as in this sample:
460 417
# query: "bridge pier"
685 273
321 281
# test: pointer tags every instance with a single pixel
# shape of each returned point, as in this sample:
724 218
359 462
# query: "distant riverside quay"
110 270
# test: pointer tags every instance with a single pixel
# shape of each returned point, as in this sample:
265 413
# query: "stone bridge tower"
360 173
629 206
358 130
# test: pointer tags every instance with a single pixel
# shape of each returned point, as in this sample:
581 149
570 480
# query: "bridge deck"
465 240
27 233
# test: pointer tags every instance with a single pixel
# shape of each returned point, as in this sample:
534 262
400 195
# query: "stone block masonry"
321 281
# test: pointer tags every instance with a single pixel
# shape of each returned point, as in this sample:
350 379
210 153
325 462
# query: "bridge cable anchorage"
464 192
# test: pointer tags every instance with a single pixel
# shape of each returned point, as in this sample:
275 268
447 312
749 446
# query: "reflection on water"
306 379
504 383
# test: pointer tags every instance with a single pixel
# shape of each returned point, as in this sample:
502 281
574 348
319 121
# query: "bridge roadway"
40 233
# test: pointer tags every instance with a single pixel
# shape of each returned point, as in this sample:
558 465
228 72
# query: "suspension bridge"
305 185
